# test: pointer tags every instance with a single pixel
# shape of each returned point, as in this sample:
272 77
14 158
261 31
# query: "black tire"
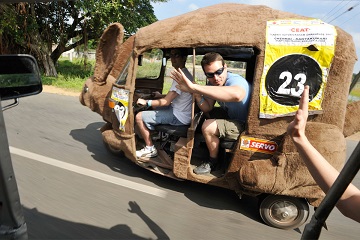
283 211
114 151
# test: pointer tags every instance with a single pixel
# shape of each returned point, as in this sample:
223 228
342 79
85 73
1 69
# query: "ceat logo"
299 29
258 145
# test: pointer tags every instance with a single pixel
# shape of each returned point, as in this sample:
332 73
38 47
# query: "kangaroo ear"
107 51
352 120
123 54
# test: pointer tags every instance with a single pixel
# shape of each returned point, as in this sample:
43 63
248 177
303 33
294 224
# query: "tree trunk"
42 54
49 66
55 55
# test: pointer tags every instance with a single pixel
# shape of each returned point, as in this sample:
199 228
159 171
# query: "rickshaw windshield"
121 80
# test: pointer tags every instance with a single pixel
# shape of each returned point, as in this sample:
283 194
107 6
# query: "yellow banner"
297 53
121 106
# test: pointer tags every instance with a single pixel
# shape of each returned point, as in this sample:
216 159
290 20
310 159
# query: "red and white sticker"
258 145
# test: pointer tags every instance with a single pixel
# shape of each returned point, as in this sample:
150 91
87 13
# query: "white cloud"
193 7
276 4
356 38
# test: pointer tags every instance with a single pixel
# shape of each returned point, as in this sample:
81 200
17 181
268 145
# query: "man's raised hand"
184 84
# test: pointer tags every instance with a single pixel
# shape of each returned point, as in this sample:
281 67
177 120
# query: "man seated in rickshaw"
231 91
174 108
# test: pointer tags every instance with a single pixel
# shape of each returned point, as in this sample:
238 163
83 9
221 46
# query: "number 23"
287 77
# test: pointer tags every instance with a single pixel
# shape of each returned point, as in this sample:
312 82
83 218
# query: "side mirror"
19 76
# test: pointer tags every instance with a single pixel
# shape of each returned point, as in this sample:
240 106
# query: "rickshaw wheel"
283 211
114 151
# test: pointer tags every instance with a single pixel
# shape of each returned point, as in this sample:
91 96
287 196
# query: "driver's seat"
178 131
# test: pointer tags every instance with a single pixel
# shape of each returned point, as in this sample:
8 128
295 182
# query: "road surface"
72 188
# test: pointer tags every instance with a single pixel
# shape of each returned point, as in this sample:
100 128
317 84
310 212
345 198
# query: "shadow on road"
43 226
204 195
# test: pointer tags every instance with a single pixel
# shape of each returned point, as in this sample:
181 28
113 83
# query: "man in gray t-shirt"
173 109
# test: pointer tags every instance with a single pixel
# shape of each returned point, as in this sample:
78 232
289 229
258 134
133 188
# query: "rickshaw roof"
228 24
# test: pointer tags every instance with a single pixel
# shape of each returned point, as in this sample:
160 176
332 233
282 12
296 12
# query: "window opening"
151 64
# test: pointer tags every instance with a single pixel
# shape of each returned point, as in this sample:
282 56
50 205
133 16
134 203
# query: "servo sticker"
258 145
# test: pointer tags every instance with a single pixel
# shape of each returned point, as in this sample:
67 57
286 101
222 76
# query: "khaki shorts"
229 129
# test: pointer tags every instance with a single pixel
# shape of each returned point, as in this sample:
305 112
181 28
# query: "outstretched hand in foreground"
296 128
323 173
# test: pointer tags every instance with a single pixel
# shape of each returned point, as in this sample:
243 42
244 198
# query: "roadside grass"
71 75
355 93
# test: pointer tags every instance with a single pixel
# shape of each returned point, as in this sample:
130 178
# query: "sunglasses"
176 55
217 72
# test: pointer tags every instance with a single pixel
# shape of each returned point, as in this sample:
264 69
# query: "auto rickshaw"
278 53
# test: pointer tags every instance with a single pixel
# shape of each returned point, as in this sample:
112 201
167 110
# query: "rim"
283 211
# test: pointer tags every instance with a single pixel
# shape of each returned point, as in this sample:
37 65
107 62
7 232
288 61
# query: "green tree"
35 28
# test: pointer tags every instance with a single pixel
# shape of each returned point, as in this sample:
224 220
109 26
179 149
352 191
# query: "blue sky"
334 12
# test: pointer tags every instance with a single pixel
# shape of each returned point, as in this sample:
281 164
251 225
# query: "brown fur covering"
352 119
221 24
285 173
233 25
107 51
94 96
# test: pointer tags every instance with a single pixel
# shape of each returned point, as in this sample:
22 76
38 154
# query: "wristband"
149 103
201 100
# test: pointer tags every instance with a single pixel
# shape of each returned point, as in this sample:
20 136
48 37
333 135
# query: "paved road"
72 188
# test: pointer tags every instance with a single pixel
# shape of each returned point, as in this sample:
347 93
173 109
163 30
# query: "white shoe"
146 152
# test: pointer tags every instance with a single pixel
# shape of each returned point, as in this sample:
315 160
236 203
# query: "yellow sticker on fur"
121 109
297 53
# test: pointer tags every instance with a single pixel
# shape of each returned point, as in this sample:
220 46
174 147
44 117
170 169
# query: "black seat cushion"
227 144
179 131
